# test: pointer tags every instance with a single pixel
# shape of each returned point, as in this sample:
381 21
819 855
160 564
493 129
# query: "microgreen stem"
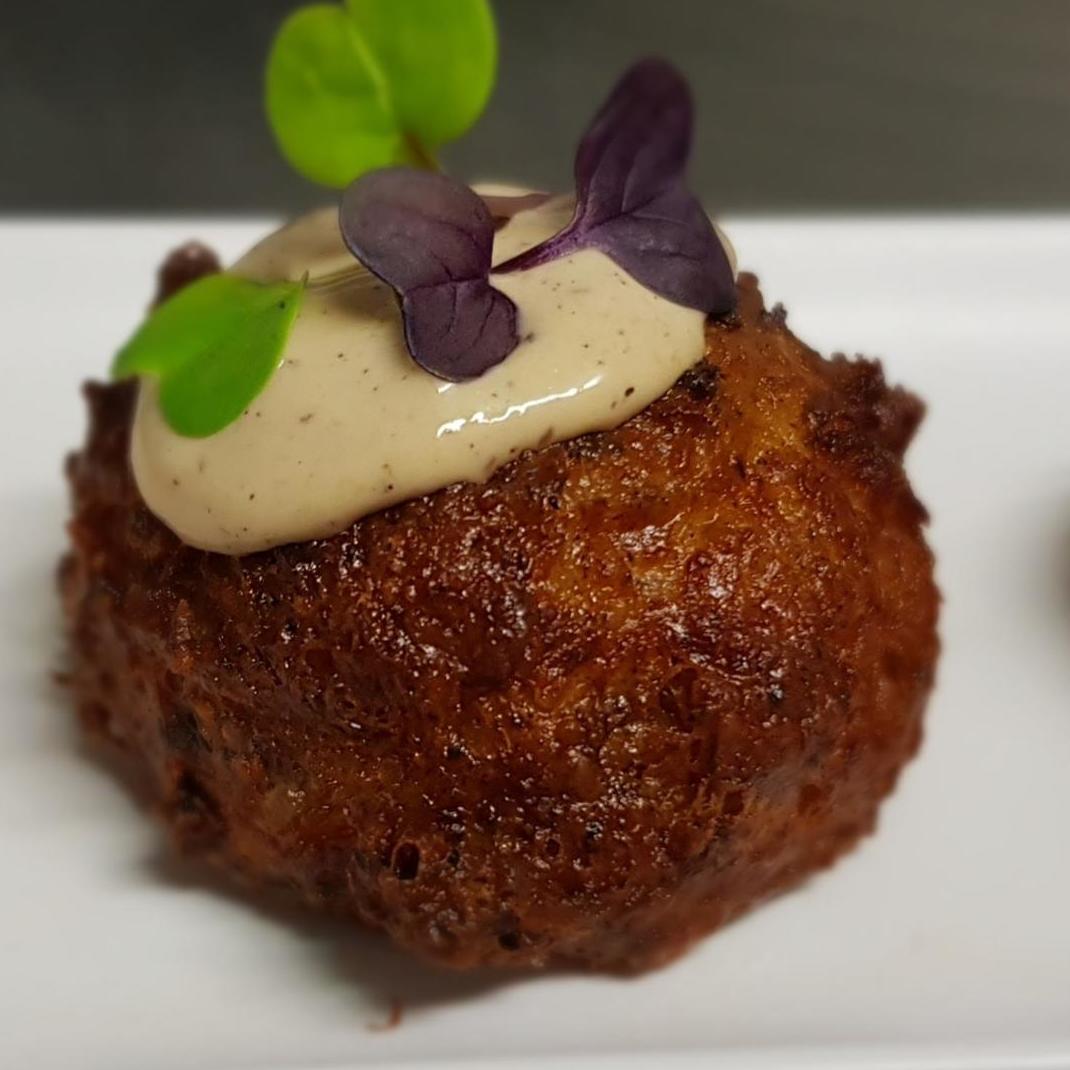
421 155
356 276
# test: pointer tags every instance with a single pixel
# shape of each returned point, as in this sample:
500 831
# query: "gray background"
812 105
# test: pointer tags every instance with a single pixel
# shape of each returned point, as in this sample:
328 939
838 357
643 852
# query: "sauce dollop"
349 424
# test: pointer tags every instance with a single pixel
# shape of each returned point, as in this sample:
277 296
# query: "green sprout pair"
376 83
349 89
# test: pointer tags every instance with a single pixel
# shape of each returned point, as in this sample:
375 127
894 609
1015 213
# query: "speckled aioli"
350 424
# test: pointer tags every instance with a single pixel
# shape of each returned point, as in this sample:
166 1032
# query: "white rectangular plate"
944 941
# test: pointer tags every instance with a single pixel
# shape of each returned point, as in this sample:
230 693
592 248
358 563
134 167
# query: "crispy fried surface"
585 712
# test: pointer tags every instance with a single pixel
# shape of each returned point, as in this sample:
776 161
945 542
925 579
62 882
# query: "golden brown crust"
585 712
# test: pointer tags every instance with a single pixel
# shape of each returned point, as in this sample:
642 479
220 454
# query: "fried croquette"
583 713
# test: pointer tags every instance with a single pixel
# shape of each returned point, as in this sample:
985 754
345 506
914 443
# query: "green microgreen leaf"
327 98
377 83
439 57
213 347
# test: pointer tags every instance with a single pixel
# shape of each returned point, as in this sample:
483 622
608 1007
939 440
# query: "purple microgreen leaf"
430 239
631 200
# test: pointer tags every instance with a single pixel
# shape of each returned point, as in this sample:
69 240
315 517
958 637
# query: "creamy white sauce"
350 424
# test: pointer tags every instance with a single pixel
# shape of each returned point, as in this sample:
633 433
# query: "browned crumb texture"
583 713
